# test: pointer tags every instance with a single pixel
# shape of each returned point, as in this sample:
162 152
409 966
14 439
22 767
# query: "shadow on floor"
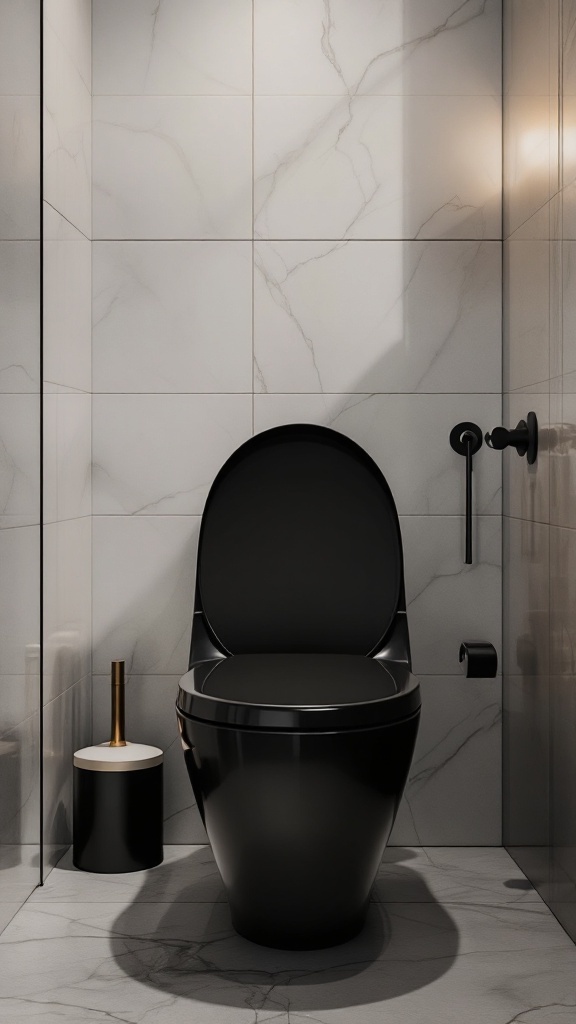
188 947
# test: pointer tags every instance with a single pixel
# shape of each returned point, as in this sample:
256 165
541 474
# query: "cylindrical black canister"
117 808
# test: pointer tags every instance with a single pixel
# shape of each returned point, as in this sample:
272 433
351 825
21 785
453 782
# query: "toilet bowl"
299 713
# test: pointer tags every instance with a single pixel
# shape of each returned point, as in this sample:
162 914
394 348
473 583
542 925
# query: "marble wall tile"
67 604
526 613
526 598
526 755
529 158
19 47
459 743
67 303
172 448
526 489
20 753
71 22
21 694
567 286
67 456
151 718
563 451
562 601
377 317
67 111
19 316
159 322
402 48
67 727
526 311
429 478
562 725
377 167
447 601
190 158
19 461
19 167
20 602
145 48
142 606
528 40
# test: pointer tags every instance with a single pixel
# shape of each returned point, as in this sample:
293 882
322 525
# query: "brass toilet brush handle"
118 727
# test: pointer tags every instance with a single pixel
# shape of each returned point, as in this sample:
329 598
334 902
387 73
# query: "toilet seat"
299 691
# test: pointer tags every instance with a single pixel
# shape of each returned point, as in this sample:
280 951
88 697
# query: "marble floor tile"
172 963
453 934
470 874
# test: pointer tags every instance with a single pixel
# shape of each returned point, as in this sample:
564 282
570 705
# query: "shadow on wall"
190 950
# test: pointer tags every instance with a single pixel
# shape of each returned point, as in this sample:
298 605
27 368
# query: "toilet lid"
300 547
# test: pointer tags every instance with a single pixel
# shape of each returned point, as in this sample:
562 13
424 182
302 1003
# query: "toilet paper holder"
479 659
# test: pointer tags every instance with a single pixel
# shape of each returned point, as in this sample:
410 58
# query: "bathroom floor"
454 935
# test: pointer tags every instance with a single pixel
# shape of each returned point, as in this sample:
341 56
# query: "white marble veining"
67 604
428 479
448 601
159 946
151 718
165 471
159 322
146 616
67 110
403 47
377 167
377 317
172 167
19 167
146 47
19 316
459 742
67 303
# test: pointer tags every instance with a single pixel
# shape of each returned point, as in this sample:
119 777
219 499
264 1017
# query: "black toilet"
299 713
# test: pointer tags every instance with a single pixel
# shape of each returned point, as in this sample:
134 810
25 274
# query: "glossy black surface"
298 822
299 691
299 713
480 660
300 547
466 439
118 819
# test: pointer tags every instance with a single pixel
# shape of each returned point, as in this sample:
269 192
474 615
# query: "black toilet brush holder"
118 805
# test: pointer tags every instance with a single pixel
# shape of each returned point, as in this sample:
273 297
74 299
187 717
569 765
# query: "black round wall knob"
460 434
524 438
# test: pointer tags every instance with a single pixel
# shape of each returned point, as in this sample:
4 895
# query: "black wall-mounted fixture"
479 660
524 438
466 439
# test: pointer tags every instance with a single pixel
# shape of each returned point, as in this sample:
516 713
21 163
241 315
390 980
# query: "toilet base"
279 939
298 822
